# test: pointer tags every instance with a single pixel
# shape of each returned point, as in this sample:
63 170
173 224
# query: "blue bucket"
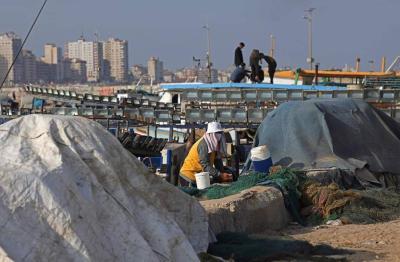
155 162
263 165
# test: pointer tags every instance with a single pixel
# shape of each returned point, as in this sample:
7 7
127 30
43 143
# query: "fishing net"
242 247
326 199
284 178
218 191
374 205
328 202
311 202
243 183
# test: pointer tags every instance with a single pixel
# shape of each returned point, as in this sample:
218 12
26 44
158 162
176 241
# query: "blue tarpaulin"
38 103
248 86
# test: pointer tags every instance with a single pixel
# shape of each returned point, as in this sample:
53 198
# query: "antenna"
309 18
209 64
273 46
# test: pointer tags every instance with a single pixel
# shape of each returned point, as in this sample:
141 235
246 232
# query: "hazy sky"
172 29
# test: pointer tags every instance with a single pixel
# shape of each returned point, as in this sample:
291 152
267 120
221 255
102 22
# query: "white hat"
214 127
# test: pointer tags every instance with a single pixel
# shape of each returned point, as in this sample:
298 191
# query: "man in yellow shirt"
206 156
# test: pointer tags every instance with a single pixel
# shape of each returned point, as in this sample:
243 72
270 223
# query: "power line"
23 44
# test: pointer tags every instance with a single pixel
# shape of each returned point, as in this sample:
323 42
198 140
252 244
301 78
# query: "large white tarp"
70 192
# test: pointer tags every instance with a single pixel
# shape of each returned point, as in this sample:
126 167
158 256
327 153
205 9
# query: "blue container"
155 162
263 165
113 131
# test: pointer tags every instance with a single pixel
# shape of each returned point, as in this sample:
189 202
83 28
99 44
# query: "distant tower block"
358 60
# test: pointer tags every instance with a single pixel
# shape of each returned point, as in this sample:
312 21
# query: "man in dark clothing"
271 67
239 74
239 56
257 74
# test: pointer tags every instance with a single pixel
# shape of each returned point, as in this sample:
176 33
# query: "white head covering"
214 127
215 139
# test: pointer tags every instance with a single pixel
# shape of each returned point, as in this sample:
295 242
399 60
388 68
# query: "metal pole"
316 73
171 134
272 51
310 42
308 17
208 52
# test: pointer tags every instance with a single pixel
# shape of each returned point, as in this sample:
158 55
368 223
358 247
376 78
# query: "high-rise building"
91 53
116 60
43 71
52 54
53 57
74 70
10 44
155 68
29 68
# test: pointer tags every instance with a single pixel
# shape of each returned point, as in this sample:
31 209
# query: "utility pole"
206 27
273 45
309 19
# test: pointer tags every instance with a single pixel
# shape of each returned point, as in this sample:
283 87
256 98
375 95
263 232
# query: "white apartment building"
91 53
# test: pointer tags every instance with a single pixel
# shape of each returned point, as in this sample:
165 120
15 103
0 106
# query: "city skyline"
343 30
85 61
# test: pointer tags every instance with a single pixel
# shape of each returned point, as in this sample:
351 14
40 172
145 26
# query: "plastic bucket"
202 180
261 159
263 165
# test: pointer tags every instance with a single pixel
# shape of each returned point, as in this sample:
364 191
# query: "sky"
173 29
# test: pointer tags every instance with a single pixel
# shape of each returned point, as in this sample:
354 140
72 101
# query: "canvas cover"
344 133
69 191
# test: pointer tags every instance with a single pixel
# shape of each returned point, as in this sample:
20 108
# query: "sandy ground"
375 242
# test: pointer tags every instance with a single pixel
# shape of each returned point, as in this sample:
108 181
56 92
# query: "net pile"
311 202
243 183
374 205
328 202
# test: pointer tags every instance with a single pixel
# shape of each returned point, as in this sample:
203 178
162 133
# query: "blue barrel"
261 158
263 165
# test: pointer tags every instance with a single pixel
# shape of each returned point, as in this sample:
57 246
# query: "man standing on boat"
239 55
240 72
257 74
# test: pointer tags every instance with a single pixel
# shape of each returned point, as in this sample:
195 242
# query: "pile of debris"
69 191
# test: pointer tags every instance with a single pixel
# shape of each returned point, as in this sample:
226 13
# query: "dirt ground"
374 242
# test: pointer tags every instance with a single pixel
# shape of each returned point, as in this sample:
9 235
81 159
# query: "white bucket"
260 153
202 180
